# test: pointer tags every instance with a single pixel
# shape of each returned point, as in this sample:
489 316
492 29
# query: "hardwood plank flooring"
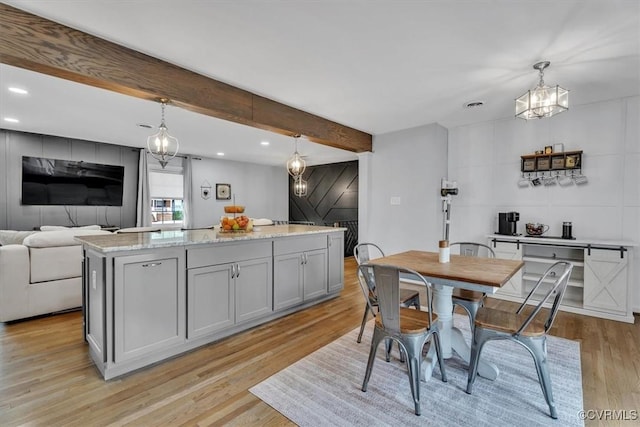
47 377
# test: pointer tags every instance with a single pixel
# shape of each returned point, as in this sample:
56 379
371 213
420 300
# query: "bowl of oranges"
236 224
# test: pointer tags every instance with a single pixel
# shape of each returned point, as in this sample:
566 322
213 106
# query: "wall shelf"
566 160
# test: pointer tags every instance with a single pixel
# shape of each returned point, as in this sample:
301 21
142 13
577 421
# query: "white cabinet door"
211 300
605 281
509 251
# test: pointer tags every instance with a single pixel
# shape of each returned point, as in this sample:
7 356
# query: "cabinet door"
149 303
605 281
211 300
335 243
253 289
315 282
287 280
509 251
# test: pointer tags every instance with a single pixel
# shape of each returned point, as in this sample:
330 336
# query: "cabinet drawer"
222 254
299 244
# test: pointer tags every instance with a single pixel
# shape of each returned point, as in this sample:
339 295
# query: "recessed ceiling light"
144 125
220 154
265 143
18 90
474 104
11 120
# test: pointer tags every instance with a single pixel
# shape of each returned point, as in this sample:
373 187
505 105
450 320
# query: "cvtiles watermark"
609 414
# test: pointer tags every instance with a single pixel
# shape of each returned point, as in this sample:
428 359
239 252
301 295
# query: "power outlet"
395 201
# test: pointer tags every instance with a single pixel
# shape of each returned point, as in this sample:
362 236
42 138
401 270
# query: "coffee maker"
507 222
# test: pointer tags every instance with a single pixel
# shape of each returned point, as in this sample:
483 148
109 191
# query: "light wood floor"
47 378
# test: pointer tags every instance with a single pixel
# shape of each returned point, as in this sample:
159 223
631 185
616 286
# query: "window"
166 188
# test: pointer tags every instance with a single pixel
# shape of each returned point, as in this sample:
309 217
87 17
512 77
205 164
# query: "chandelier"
299 186
162 146
296 164
542 101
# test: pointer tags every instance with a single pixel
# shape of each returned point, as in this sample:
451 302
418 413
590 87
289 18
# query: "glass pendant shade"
162 146
296 164
299 186
542 101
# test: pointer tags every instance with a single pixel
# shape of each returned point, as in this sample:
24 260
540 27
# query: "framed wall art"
223 192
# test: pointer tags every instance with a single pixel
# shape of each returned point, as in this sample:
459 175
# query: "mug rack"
564 168
566 160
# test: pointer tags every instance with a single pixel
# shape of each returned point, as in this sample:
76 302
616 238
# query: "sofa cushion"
61 262
48 239
12 237
61 227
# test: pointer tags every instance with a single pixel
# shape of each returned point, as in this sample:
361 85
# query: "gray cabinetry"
300 270
211 300
287 280
235 287
149 303
335 243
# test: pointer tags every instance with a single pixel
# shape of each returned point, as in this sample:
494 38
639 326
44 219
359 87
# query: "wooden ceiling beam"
38 44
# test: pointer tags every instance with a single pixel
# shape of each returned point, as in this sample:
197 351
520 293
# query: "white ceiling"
377 66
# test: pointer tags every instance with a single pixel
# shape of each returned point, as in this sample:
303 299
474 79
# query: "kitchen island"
150 296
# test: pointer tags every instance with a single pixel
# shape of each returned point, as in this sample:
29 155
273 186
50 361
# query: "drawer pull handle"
153 264
237 270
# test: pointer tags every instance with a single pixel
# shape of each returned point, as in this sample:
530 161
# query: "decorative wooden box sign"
551 161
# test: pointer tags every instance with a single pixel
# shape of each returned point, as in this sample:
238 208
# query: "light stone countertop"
171 238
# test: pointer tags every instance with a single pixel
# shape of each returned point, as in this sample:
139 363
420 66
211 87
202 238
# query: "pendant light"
542 101
299 186
296 164
162 146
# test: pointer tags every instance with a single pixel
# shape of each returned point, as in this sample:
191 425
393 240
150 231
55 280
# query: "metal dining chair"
530 330
410 328
363 253
470 301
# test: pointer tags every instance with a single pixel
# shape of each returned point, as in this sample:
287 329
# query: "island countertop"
169 238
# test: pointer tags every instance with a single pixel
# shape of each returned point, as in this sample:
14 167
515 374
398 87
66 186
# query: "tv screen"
68 182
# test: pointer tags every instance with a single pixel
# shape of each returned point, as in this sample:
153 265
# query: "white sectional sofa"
41 271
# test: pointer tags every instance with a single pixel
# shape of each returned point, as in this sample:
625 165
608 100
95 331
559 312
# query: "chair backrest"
473 249
363 253
387 292
558 276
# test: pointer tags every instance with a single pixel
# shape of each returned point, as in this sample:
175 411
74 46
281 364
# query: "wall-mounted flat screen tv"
68 182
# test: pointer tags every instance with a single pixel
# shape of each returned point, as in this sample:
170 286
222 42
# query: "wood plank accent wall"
332 196
35 43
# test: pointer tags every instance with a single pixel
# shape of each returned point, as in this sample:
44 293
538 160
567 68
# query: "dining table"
466 272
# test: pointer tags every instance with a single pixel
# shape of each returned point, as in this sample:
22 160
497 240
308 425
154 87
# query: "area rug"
323 389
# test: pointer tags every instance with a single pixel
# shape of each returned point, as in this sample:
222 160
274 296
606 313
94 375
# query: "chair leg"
364 322
478 341
375 341
413 349
436 341
538 348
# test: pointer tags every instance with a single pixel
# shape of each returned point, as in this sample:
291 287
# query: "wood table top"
477 270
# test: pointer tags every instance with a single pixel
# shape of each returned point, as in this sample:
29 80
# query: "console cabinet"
599 282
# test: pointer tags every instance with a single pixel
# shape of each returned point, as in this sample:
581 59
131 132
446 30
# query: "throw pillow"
12 237
60 227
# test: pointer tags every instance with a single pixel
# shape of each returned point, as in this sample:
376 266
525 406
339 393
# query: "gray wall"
14 216
263 190
408 165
